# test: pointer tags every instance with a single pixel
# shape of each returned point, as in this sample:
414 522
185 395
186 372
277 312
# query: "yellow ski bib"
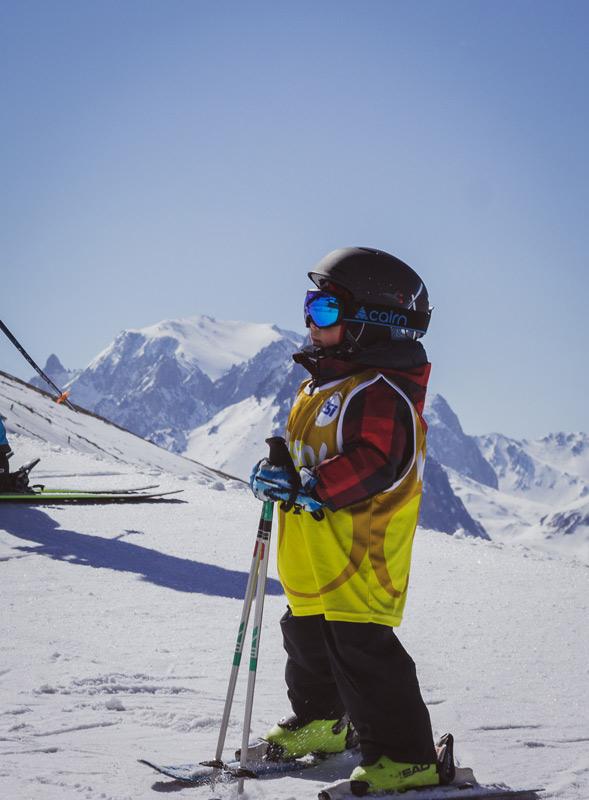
352 566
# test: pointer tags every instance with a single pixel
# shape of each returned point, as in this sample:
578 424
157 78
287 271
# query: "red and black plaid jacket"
377 436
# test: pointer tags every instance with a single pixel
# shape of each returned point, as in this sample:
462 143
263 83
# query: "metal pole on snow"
256 587
260 551
266 527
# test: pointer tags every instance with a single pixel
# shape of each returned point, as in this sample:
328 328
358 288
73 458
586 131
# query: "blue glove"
269 482
266 473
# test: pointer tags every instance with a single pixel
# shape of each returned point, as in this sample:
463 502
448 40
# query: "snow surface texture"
119 623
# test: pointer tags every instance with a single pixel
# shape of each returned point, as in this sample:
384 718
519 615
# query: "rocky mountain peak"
55 370
53 364
451 447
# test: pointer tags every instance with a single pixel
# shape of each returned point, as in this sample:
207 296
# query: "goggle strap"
390 317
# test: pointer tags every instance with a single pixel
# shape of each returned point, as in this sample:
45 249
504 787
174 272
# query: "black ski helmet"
373 277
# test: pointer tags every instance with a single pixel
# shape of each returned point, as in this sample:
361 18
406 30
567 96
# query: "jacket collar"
405 362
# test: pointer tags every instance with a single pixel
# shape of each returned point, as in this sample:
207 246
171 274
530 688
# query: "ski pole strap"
279 454
280 457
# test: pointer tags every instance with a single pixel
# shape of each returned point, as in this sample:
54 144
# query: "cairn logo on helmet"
380 317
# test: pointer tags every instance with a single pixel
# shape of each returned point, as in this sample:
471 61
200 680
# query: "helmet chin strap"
343 350
349 345
351 339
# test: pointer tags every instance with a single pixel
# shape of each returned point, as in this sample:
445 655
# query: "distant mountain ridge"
55 370
164 380
215 390
551 476
540 495
449 445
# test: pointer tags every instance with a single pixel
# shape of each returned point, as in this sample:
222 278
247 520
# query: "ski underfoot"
61 497
39 495
464 786
106 491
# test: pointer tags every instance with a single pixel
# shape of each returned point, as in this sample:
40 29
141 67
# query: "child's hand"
267 473
269 482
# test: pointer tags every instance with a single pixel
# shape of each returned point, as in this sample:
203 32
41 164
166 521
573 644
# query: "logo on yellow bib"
329 410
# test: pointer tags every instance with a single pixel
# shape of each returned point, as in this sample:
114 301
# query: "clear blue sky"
163 159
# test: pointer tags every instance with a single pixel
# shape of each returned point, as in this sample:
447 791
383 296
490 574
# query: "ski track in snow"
113 684
113 651
76 728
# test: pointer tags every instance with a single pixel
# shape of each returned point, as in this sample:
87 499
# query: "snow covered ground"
118 626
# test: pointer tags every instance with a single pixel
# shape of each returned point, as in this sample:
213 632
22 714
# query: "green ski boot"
291 738
386 775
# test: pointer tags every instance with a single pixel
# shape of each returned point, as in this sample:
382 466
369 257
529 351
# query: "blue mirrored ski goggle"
323 309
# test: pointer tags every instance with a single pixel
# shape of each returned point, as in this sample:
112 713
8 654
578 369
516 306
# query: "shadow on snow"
171 572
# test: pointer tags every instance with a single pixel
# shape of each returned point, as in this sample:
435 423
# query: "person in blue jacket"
10 482
5 453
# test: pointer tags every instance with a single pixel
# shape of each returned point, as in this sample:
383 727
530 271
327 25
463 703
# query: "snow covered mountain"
119 626
234 438
555 468
164 380
216 390
531 492
450 446
543 490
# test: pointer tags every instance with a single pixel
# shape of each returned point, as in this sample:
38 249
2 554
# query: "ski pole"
62 396
267 512
261 546
279 456
252 580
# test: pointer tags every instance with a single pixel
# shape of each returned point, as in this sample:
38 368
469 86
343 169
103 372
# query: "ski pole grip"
279 455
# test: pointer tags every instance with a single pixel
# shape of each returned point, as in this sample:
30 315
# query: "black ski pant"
361 669
4 465
4 469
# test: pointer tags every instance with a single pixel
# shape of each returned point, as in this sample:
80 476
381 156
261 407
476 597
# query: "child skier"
357 438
